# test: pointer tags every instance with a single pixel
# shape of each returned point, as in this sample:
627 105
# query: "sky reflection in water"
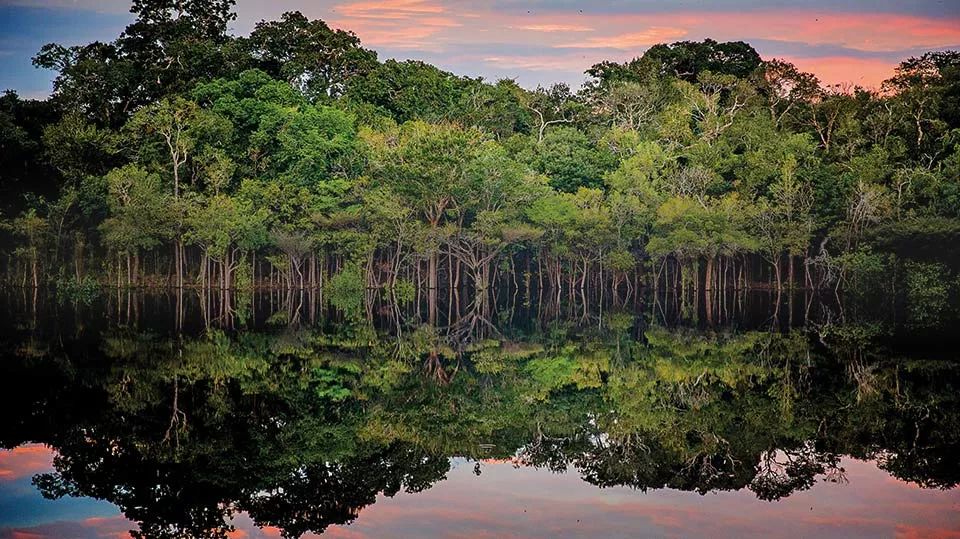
505 501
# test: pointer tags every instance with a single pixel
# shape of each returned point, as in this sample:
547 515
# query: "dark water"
281 415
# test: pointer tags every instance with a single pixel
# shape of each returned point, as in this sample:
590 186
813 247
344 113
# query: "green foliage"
295 145
139 210
928 292
330 383
409 90
83 291
570 160
314 58
866 273
345 290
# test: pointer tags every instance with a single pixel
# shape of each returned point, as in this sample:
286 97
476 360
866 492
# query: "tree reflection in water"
300 416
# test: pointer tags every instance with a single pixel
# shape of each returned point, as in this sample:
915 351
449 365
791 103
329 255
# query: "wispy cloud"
632 40
401 24
553 28
868 32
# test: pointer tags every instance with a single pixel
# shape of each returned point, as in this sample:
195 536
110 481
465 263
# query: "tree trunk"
432 271
708 278
790 270
776 273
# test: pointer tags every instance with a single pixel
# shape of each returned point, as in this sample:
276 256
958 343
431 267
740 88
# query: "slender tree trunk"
790 270
708 278
432 271
776 273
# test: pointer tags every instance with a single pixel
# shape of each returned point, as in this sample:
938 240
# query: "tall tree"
314 58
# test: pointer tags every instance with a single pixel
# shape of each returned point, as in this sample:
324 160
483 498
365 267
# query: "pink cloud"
572 62
904 531
865 72
632 40
116 527
553 28
405 24
867 32
390 8
25 461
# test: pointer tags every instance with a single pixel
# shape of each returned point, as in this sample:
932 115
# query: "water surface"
281 415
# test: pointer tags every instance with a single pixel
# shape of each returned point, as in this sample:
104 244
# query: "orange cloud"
857 47
115 527
339 532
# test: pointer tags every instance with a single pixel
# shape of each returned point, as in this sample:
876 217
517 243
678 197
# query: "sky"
541 41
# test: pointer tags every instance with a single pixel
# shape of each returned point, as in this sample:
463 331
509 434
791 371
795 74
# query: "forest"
179 155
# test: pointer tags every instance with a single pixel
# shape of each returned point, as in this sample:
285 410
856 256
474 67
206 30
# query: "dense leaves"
307 156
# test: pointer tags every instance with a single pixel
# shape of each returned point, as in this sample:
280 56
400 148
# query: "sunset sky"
542 41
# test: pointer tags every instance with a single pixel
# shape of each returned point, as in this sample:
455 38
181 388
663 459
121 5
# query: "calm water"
281 415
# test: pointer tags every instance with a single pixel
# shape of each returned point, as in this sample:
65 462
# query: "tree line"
180 155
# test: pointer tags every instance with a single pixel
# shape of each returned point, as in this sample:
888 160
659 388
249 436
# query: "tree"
833 107
785 89
409 90
927 90
139 216
498 190
784 222
315 145
171 133
606 74
499 109
633 105
317 60
426 166
33 229
24 169
551 106
170 46
688 229
225 228
687 60
570 159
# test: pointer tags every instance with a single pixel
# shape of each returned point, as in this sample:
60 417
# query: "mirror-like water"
278 415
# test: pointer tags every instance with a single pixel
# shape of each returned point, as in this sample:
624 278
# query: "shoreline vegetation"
181 156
